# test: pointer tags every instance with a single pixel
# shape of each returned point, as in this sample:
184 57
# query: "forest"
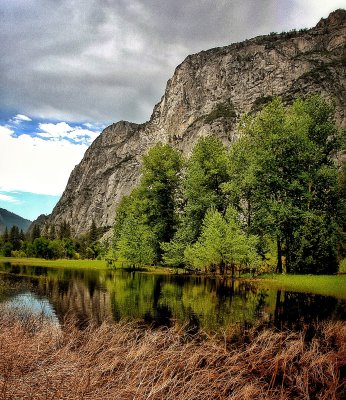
274 201
52 243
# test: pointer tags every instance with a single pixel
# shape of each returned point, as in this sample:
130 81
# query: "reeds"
129 361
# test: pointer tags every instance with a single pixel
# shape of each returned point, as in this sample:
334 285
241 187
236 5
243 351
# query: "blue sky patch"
37 157
28 205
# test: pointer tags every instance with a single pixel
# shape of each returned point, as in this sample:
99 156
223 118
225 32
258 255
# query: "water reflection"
197 301
294 310
28 303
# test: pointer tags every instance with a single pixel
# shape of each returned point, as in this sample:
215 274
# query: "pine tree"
6 235
93 232
64 230
14 238
52 233
36 232
21 235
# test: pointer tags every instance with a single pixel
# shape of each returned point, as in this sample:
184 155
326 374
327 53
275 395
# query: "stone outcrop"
207 94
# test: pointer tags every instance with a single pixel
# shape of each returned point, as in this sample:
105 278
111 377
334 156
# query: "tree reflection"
294 310
198 302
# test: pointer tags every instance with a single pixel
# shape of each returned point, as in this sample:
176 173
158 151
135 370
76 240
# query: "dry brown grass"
38 360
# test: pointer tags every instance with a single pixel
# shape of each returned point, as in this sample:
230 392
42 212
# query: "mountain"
207 94
10 219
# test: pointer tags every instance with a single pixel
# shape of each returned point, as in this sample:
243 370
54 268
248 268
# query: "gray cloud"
104 60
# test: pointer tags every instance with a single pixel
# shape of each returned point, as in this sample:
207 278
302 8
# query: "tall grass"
128 361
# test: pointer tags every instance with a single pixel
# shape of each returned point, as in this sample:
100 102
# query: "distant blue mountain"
9 219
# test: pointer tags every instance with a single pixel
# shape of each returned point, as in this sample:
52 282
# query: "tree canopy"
277 192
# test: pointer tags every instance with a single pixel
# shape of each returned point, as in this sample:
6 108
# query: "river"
197 302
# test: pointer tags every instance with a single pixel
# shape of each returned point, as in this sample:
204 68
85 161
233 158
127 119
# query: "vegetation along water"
273 203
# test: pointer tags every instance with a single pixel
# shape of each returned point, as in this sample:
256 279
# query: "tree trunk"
222 268
279 264
288 256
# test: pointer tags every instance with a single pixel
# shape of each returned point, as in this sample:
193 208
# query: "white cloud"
5 132
19 118
63 130
32 164
8 199
60 129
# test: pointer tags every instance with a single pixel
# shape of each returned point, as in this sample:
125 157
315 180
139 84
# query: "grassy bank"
40 360
40 262
75 264
327 285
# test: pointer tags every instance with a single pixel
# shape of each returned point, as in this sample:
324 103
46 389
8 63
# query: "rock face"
207 94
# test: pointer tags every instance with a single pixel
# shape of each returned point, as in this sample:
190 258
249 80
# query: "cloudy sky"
68 68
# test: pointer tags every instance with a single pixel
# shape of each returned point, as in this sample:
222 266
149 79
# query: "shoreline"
327 285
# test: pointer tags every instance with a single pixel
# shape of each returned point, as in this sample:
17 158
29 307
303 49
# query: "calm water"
200 302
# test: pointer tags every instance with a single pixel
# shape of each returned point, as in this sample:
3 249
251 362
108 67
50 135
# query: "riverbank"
125 361
326 285
77 264
60 263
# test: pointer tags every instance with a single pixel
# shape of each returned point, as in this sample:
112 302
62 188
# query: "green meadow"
327 285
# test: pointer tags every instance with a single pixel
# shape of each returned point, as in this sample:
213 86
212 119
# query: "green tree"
40 247
291 174
342 207
93 232
7 249
136 243
132 206
55 249
21 235
52 233
314 245
173 251
159 183
14 238
64 230
210 248
205 175
241 249
239 189
69 249
222 244
152 205
6 235
36 232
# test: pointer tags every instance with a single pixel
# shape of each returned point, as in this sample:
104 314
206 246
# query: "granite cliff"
207 94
